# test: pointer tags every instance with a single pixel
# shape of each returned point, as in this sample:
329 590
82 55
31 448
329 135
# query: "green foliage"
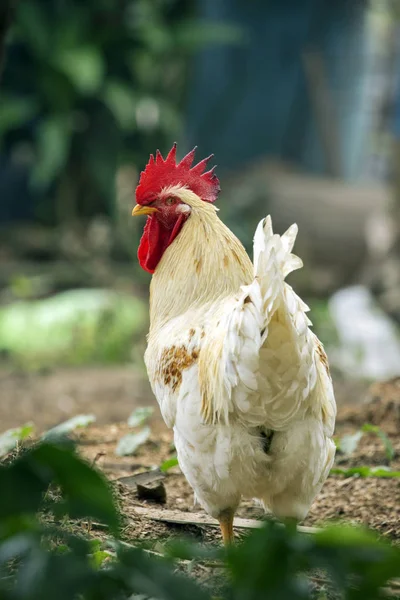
25 480
72 328
169 464
41 560
91 85
348 444
365 471
10 438
272 563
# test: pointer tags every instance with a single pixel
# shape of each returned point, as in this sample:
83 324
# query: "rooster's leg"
225 519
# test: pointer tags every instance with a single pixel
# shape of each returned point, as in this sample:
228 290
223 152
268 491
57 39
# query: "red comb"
160 173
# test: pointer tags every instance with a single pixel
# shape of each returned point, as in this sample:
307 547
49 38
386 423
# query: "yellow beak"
143 210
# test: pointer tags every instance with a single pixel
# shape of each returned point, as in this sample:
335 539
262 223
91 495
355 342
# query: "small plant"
169 464
389 450
365 471
349 443
11 438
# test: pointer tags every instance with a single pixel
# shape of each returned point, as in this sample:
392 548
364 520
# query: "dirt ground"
371 501
50 397
112 393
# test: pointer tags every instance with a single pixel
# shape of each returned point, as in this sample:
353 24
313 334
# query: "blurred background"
299 100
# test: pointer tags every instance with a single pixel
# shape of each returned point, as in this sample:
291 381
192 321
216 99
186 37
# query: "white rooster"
232 362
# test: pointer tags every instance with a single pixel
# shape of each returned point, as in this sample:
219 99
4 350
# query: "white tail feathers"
266 371
274 251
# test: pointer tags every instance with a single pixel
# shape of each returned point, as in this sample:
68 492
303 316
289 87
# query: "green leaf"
191 34
157 39
357 551
348 443
156 578
366 472
128 444
389 449
84 66
10 438
86 492
15 112
100 149
120 100
168 464
63 428
22 490
34 29
140 416
44 574
186 549
346 535
53 139
99 557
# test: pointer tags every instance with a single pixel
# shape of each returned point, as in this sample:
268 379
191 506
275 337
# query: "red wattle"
155 240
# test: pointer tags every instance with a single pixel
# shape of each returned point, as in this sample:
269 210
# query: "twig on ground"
181 518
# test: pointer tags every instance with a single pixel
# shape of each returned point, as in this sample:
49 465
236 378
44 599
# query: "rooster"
238 374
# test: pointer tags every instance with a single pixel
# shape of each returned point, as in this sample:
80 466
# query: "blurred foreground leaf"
85 491
272 563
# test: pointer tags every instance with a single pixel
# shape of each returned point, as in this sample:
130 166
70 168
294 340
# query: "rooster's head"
166 193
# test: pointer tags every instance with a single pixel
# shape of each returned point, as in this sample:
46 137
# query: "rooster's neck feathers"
205 262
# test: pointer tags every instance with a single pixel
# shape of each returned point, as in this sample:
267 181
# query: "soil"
372 501
113 393
50 397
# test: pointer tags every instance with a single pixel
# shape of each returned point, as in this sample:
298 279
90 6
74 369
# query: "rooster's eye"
170 201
